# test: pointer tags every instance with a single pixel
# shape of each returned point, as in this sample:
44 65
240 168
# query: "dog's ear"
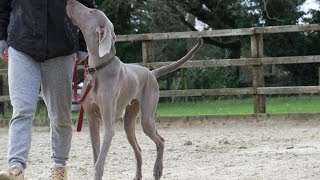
105 40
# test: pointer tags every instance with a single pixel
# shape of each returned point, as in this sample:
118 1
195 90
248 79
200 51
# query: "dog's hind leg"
149 104
129 120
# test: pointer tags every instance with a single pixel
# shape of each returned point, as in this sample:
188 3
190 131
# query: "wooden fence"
257 61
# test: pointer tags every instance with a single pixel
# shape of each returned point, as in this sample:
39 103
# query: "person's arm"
88 3
5 9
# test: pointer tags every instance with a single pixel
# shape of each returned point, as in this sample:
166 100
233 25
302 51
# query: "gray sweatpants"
25 78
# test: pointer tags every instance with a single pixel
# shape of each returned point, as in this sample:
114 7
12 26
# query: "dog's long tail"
175 65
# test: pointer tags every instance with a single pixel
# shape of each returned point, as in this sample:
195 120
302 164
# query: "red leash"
75 93
75 82
80 120
80 101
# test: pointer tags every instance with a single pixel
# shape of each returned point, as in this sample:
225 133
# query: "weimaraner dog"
118 89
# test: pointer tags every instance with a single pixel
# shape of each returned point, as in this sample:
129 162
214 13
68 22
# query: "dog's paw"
137 178
157 172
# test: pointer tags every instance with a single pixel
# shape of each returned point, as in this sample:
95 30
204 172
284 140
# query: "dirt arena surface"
221 150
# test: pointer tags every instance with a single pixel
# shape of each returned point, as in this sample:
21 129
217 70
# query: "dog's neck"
94 60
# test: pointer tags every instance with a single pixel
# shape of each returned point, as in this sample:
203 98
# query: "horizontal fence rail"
228 92
218 33
228 62
242 62
242 91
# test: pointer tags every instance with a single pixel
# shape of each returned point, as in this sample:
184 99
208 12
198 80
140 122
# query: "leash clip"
87 75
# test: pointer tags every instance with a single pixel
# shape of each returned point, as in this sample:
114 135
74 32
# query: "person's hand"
3 50
81 55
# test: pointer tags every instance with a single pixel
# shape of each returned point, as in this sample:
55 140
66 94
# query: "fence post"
258 73
318 76
147 52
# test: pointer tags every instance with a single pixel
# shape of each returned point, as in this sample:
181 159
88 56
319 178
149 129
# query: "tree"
122 15
289 44
249 13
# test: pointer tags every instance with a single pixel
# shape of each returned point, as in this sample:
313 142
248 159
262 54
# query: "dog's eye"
92 11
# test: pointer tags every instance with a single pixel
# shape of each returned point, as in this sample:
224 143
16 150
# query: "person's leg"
24 84
57 75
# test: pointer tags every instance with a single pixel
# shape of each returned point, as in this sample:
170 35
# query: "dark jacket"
40 28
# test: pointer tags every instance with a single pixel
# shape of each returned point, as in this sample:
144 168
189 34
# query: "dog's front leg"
93 116
107 111
93 122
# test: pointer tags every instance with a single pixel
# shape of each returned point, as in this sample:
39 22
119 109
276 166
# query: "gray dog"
118 89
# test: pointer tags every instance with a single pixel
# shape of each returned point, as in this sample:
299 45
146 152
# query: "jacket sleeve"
5 9
82 43
88 3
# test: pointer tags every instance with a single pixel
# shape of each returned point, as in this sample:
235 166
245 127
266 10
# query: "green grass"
293 104
289 104
206 108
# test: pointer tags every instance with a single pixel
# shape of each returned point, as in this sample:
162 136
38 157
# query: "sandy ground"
233 150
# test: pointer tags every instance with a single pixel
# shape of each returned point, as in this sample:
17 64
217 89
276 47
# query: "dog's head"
97 29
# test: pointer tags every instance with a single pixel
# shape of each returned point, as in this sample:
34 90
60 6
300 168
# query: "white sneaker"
58 173
14 172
